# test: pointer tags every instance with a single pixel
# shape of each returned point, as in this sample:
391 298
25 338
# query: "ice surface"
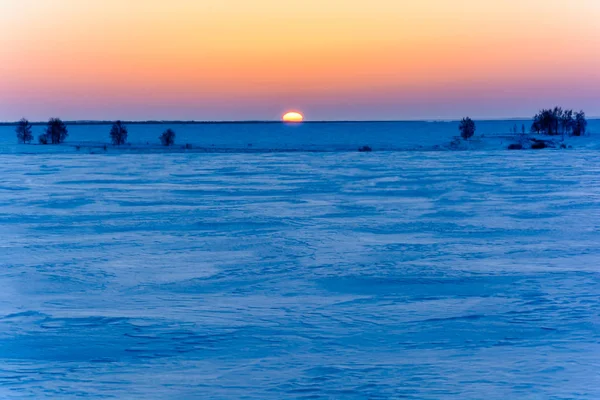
425 275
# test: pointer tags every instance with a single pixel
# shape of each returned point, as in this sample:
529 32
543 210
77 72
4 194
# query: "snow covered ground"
425 275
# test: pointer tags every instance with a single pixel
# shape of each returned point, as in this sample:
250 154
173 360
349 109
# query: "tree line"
551 122
56 132
557 121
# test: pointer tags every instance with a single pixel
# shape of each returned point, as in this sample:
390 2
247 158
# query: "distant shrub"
23 130
515 146
455 143
167 138
43 138
188 146
118 133
56 131
467 128
537 145
563 146
365 149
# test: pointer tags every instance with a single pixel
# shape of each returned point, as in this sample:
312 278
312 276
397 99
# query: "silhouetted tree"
566 122
557 121
467 128
580 124
546 122
536 125
56 131
551 120
23 130
558 117
118 133
167 138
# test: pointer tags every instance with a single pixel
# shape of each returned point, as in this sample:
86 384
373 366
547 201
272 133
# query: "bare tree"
167 138
23 130
467 128
118 133
580 124
566 122
56 132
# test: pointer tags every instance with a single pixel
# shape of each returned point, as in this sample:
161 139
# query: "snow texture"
420 275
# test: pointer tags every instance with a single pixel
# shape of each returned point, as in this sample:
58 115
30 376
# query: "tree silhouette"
23 130
546 122
557 121
566 122
56 132
580 124
557 114
467 128
118 133
167 138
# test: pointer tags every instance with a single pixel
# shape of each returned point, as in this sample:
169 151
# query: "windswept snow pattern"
418 275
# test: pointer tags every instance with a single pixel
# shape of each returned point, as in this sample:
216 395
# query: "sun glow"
293 116
335 59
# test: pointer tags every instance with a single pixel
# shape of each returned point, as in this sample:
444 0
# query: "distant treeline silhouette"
56 132
550 122
557 121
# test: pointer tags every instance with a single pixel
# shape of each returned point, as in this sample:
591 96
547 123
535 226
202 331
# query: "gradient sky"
331 59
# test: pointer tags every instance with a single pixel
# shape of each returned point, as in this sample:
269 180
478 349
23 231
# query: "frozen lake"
422 275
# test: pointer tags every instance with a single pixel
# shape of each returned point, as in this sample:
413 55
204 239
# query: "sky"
329 59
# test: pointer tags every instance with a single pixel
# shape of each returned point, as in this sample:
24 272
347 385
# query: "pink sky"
238 60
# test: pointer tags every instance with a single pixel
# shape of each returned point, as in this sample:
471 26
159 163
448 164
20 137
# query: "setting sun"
293 116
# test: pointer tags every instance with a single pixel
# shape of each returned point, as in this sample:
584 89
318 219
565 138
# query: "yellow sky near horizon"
298 54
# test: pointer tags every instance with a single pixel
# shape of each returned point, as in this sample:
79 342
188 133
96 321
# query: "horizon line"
208 122
152 121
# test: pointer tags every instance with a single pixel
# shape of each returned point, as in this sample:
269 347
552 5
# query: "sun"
293 116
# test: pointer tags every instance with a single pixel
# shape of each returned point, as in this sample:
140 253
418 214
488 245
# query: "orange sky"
334 59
